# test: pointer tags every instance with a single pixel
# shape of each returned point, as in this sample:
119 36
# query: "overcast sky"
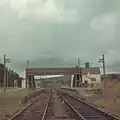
53 33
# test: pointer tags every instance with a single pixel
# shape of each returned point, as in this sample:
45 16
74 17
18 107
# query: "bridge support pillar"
78 80
30 81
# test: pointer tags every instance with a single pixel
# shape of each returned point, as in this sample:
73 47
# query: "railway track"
49 106
42 109
84 110
46 108
36 110
54 109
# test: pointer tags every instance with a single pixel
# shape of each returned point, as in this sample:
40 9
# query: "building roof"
91 70
113 77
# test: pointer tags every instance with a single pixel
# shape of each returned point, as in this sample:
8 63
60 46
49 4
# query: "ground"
109 106
61 112
10 101
8 89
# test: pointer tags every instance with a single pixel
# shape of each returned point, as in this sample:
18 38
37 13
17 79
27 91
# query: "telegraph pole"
80 71
103 62
4 73
7 76
28 63
5 70
27 76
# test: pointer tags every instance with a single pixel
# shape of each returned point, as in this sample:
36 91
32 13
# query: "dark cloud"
56 32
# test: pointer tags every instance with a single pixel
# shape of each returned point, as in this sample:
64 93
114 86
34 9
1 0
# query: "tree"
1 74
11 78
10 75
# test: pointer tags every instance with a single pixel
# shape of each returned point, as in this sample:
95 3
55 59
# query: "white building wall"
85 78
15 84
24 83
37 84
72 77
96 76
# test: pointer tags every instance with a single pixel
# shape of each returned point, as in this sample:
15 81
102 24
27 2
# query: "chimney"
87 65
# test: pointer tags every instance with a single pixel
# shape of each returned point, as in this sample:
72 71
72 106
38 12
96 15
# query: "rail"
46 108
78 113
30 105
68 89
26 107
75 111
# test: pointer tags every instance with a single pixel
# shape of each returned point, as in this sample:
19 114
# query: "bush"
31 96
